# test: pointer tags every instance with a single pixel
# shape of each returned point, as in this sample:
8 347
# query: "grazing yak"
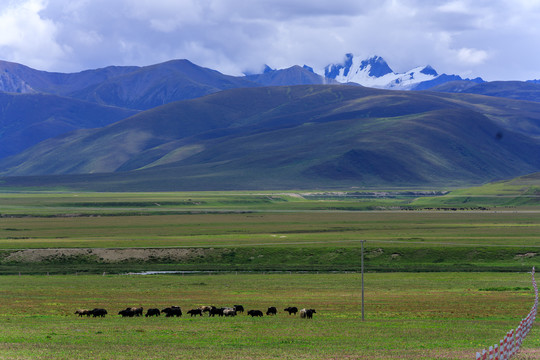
152 312
131 312
206 308
307 313
271 310
172 311
291 310
195 312
82 312
229 311
238 308
215 311
98 312
138 311
127 313
254 313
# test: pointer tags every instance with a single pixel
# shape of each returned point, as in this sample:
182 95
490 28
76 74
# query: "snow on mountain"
375 72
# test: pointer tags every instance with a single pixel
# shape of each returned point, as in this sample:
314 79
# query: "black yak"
195 312
127 313
254 313
98 312
307 313
138 311
172 311
215 311
152 312
271 310
291 310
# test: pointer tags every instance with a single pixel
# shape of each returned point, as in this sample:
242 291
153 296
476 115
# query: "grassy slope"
296 137
27 119
506 89
523 191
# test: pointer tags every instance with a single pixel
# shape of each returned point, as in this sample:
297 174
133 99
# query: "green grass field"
246 237
495 197
270 231
407 315
273 228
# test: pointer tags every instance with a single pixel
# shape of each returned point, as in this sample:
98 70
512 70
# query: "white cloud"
478 37
26 36
472 56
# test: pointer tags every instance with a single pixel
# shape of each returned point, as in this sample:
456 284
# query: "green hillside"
520 90
296 137
523 192
27 119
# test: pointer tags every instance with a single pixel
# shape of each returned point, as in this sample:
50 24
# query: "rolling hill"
159 84
294 137
27 119
523 192
133 87
519 90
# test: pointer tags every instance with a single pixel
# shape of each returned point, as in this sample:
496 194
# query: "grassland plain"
408 316
269 231
276 241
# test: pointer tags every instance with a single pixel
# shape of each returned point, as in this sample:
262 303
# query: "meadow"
269 231
425 296
407 315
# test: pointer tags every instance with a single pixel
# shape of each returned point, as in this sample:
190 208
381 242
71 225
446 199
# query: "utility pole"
362 267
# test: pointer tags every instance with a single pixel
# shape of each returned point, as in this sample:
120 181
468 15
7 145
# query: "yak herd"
176 311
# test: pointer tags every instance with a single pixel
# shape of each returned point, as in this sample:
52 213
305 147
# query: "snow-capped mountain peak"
375 72
352 68
375 66
428 70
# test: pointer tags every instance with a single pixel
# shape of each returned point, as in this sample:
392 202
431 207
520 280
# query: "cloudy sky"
494 39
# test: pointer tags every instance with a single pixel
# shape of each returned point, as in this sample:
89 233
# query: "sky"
493 39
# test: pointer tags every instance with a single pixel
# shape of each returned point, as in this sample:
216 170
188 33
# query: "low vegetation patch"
505 288
267 258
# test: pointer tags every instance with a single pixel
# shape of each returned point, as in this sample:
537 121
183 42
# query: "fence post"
511 343
362 268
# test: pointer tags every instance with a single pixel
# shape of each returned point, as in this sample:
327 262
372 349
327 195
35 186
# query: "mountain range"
375 72
176 125
142 88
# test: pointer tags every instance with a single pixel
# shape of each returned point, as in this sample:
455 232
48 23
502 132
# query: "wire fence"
510 344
